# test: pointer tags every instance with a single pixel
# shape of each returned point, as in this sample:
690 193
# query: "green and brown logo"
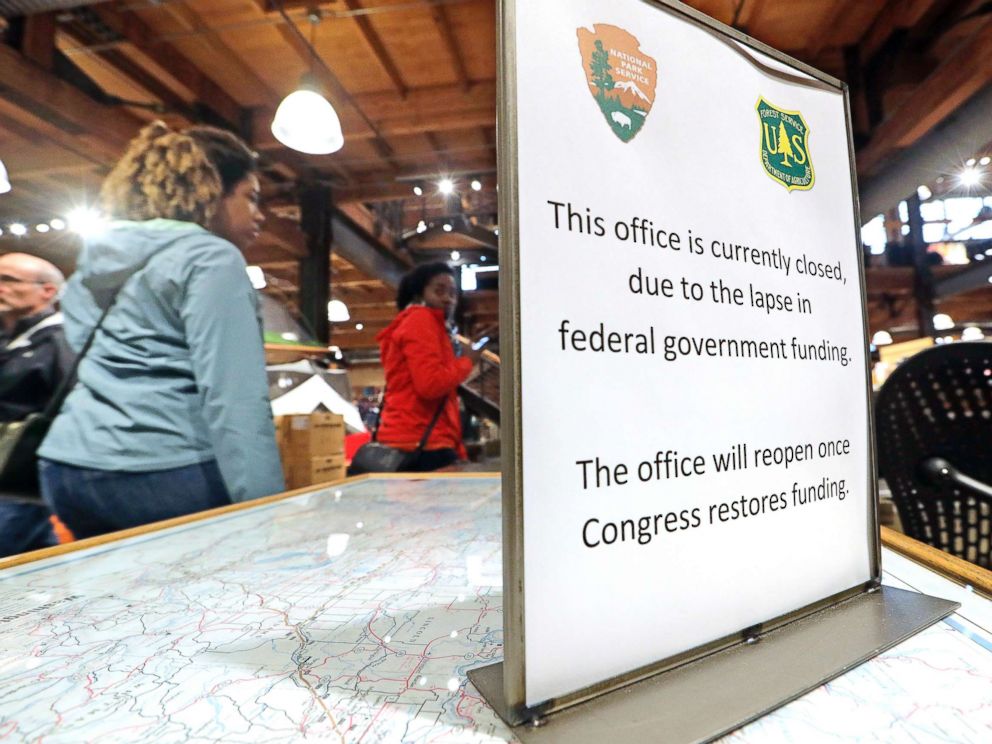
785 147
622 79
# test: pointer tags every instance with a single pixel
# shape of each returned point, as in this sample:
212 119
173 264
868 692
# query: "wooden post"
315 267
923 276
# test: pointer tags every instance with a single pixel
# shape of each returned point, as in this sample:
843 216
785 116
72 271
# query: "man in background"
34 359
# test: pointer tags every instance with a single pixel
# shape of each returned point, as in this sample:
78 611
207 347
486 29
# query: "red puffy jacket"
421 371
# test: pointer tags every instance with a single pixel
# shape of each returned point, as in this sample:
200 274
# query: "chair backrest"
939 404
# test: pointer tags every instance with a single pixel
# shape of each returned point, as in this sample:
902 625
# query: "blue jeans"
24 527
92 502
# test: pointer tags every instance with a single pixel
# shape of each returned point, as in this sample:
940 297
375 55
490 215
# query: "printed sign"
692 401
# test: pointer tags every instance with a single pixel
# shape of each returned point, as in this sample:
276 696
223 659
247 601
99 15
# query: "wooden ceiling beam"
138 75
204 91
374 42
962 74
451 44
191 21
38 43
71 118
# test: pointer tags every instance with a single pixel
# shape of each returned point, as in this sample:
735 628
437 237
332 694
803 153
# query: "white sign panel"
693 398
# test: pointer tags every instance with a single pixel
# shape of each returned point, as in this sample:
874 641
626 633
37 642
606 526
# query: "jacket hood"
386 333
111 257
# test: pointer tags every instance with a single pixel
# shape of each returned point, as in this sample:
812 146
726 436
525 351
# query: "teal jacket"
176 374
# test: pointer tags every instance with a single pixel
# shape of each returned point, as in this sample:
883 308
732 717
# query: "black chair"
933 421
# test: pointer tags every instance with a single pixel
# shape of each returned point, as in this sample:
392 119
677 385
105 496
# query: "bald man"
34 359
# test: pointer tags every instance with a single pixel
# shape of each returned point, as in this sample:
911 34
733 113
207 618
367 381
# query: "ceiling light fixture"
4 179
418 190
337 312
455 255
882 338
447 227
942 322
17 229
985 161
970 177
306 121
421 227
446 186
359 326
85 221
476 185
57 224
42 227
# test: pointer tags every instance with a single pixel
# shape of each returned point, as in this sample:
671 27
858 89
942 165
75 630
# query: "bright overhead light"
476 185
306 122
337 312
86 221
455 255
985 161
359 326
446 186
924 192
42 227
969 162
421 227
882 338
4 179
257 276
447 227
971 333
942 322
57 224
970 177
17 229
496 231
418 191
483 259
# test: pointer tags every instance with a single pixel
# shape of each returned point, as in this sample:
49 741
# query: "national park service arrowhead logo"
622 79
785 147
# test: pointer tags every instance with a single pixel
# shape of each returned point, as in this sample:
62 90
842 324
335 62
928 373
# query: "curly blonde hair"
164 174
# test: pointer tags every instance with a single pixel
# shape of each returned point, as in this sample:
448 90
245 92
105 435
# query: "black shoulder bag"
375 457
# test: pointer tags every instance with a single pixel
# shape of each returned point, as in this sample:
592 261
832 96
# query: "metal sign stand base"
704 699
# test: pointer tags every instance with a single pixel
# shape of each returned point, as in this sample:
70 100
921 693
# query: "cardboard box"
301 438
317 470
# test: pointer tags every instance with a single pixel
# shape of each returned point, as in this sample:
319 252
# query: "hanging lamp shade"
4 179
337 311
306 121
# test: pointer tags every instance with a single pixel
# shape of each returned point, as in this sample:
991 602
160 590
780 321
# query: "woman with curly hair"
170 414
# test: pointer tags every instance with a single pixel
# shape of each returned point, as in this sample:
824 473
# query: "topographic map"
352 614
339 616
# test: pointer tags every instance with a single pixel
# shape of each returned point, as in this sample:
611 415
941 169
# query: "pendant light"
306 121
4 179
337 312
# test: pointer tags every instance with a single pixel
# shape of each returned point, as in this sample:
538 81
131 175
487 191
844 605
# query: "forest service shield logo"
621 78
785 146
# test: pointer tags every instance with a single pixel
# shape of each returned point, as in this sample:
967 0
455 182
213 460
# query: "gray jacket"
176 374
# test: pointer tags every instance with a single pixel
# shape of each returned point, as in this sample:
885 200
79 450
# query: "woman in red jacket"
422 371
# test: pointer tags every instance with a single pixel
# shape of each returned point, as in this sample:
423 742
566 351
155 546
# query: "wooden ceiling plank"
375 44
451 44
202 89
960 75
76 121
140 77
192 21
38 43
